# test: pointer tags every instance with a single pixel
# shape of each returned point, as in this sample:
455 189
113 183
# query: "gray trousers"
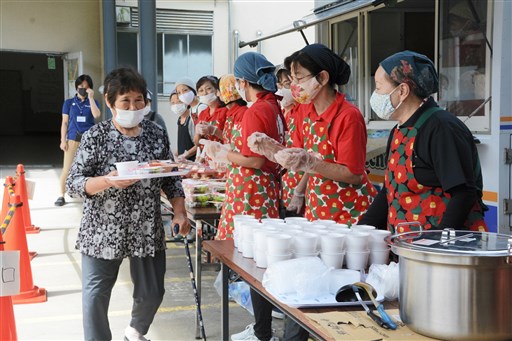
98 279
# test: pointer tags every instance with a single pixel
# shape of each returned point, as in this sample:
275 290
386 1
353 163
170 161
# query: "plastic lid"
451 241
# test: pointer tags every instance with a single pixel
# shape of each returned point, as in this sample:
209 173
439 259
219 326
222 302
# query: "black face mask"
82 92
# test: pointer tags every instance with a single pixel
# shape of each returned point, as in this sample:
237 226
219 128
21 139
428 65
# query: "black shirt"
445 156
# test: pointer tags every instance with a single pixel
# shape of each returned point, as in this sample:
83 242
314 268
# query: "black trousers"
262 316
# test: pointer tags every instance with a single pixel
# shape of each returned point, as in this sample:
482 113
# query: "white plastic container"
278 243
273 258
357 241
293 220
332 242
305 242
126 168
379 256
334 260
357 260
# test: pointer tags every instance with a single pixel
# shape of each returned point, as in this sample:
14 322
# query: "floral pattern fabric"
410 201
119 223
289 179
330 199
248 190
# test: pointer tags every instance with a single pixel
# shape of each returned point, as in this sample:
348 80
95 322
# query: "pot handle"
408 223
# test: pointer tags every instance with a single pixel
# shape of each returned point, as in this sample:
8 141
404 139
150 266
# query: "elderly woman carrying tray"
122 218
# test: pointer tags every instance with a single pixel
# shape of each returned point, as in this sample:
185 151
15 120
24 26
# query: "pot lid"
452 241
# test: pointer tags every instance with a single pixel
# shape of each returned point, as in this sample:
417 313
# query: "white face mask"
287 97
147 110
207 99
129 118
178 108
241 91
382 105
187 97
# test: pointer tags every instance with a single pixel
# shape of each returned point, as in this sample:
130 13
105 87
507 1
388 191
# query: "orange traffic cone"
21 190
16 239
9 191
7 322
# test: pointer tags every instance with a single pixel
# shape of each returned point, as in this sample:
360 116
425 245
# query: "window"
464 61
345 44
184 45
182 55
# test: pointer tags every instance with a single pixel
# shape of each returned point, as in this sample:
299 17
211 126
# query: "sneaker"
131 334
246 335
278 314
60 201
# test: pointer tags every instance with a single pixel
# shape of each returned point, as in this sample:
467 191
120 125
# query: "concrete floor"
57 269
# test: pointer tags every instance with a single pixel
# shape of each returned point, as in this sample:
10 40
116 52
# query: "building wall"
55 26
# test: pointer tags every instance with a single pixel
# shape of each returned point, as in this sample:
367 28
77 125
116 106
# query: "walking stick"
192 279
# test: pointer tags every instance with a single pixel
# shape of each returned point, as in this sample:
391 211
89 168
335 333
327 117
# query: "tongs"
384 320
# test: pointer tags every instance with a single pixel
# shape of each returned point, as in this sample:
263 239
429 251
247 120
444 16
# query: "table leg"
224 270
199 238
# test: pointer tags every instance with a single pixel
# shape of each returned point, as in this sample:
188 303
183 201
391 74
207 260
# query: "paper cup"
324 222
248 250
305 242
260 257
305 254
363 228
293 220
126 168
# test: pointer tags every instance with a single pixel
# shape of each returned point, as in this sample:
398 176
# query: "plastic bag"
385 279
308 287
296 275
237 291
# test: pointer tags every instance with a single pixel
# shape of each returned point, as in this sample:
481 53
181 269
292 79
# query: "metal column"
109 41
147 43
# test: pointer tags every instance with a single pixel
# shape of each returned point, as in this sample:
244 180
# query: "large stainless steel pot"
456 285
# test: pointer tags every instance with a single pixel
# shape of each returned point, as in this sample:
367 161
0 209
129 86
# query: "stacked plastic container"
272 240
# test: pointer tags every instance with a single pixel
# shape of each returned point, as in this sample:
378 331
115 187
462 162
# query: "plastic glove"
264 145
296 203
297 159
205 129
215 150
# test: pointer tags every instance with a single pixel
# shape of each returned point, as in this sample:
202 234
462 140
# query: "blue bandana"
256 69
414 69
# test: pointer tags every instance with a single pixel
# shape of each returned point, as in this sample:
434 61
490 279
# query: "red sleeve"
203 116
252 122
348 136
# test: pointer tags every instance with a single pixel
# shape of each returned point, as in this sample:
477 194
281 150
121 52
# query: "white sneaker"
248 335
277 314
131 334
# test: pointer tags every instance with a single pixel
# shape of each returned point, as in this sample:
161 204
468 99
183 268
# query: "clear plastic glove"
180 158
264 145
216 151
297 159
205 129
296 203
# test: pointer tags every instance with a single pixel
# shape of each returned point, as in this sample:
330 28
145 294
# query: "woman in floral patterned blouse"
121 218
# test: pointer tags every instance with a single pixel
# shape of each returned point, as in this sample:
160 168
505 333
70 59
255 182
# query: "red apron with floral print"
289 179
248 191
330 199
410 201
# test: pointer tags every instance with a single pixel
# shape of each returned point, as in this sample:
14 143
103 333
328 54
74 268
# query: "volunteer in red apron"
291 204
253 177
433 175
231 136
210 123
330 139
